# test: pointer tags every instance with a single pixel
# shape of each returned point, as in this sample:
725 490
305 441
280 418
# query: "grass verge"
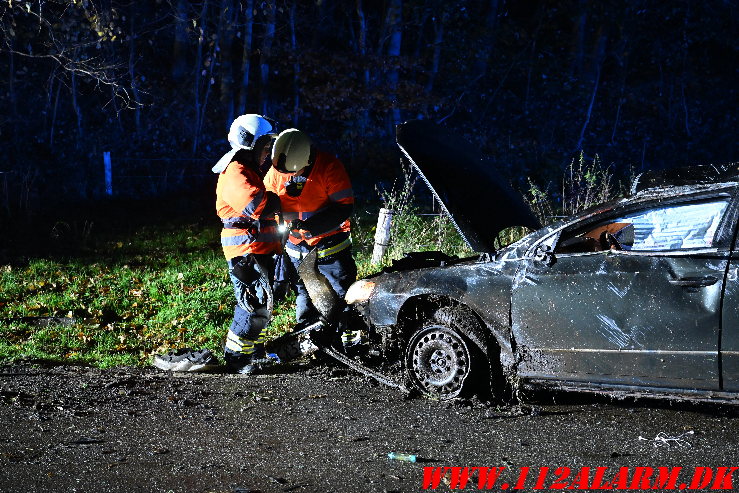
120 300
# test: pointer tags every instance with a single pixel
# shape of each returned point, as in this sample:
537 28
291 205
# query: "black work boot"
242 364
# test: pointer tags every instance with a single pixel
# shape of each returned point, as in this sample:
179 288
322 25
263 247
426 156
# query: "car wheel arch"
417 308
461 318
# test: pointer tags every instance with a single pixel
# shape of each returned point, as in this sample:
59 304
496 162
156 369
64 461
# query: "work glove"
297 224
272 207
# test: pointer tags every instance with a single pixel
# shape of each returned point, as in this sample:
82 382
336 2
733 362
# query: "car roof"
687 176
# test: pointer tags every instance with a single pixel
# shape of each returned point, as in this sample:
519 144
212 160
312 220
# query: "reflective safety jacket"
327 187
247 211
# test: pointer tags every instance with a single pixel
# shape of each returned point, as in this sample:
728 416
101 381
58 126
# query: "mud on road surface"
316 429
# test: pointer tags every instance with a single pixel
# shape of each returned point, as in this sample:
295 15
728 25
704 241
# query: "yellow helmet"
291 151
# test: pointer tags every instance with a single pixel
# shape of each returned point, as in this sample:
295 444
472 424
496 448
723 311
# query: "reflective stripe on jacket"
329 246
327 184
247 213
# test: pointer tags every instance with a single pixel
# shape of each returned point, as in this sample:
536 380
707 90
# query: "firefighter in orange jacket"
249 237
317 200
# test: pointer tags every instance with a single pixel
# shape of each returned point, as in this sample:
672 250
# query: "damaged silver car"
636 296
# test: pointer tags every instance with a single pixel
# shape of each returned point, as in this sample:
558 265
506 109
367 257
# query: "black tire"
445 357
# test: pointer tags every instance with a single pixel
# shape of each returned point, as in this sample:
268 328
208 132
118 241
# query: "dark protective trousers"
250 276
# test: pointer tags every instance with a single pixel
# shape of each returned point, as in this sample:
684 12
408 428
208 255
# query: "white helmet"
244 133
291 151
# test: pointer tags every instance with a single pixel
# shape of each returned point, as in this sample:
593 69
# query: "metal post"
108 173
382 235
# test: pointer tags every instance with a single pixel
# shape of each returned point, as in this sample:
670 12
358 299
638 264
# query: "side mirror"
545 253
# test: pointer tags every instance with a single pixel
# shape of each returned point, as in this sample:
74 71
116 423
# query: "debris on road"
663 440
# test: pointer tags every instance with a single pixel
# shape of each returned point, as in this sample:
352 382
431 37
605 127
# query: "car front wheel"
441 361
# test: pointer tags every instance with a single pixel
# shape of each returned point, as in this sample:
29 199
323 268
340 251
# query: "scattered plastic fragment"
400 456
664 440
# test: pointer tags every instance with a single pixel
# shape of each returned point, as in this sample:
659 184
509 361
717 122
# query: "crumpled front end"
393 304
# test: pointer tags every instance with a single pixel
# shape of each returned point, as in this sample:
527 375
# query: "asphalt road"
318 429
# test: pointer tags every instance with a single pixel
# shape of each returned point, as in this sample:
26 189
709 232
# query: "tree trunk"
198 74
208 87
589 111
246 55
362 120
382 35
362 37
132 71
394 21
11 77
49 97
116 108
439 22
296 65
684 75
579 44
53 114
269 36
225 40
488 42
327 14
532 59
621 55
420 27
76 106
179 49
599 55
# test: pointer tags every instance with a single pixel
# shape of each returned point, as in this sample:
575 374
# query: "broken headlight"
359 292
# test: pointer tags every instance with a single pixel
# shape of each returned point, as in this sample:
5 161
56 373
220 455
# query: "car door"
729 346
645 314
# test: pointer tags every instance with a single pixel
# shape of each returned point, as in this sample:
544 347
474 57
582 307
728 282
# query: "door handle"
694 282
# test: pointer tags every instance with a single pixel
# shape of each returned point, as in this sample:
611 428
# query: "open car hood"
474 196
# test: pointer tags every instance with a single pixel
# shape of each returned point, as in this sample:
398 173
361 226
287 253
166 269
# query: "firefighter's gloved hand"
297 224
272 207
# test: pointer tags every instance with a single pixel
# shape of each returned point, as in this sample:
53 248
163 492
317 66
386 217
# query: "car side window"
669 227
676 227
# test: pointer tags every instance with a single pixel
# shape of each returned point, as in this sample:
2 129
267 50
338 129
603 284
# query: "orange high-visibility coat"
327 183
247 213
